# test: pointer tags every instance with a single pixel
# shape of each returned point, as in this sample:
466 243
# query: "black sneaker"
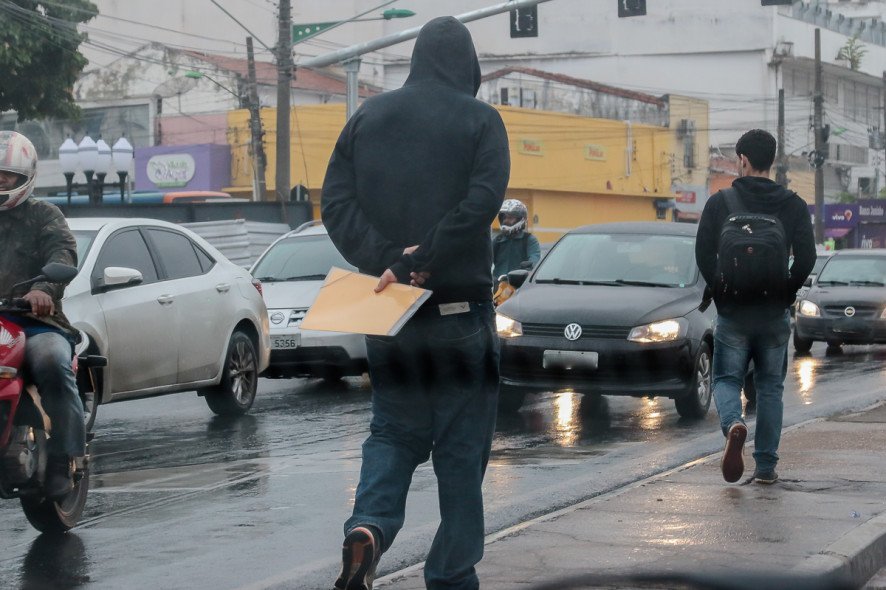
732 464
359 557
767 476
59 477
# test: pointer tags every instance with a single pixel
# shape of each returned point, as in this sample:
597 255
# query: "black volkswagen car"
846 303
612 309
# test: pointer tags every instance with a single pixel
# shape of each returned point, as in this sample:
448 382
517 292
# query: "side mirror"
807 282
517 277
117 276
56 272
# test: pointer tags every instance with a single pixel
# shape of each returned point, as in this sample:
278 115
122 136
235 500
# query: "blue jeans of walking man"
737 341
434 394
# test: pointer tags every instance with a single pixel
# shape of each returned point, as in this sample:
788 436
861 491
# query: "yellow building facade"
569 170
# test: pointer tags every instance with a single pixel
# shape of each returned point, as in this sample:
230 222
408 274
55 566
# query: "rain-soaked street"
182 499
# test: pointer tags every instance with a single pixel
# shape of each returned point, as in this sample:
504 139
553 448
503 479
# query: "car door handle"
165 299
223 287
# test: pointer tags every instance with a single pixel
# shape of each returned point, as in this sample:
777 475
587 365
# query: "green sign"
304 31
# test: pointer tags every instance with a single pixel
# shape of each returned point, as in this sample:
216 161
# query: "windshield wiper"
306 278
868 283
268 279
832 283
557 281
642 283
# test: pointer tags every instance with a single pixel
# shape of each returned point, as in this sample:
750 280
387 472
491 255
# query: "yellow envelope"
347 302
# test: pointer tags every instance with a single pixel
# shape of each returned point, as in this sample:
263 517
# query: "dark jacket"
508 252
759 195
32 235
427 165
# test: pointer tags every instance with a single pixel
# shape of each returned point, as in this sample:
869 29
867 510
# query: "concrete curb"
857 556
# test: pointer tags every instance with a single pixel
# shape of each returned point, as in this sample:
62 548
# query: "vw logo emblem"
572 332
849 311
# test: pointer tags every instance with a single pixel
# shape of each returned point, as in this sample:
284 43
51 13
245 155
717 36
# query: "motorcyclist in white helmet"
32 234
514 247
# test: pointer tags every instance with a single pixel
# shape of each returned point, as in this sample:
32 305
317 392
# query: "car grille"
861 311
556 331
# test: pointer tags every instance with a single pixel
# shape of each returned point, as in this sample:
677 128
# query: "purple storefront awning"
836 232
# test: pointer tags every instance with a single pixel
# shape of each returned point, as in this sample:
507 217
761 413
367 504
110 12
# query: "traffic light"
776 2
524 22
631 8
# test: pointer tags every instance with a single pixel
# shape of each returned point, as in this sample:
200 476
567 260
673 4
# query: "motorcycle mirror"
517 277
56 272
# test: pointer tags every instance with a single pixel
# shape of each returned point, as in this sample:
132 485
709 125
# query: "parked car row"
611 309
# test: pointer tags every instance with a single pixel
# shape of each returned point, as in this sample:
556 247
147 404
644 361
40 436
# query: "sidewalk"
827 514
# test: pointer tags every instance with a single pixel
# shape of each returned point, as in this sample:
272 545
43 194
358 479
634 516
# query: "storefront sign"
685 196
595 152
532 147
171 170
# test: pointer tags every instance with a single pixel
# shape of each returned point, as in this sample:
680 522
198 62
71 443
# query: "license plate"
286 342
570 359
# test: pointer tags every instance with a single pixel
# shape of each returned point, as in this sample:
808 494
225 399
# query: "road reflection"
55 561
805 369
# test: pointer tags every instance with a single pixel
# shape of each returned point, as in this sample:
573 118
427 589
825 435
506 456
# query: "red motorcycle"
24 425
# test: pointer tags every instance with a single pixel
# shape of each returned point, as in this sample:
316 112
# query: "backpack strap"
733 201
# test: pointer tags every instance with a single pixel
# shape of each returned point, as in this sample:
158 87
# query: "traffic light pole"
817 117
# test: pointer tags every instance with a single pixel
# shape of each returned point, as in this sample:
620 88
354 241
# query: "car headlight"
664 331
506 327
809 309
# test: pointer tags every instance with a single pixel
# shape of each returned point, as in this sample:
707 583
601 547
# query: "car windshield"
621 259
299 258
819 264
84 243
854 270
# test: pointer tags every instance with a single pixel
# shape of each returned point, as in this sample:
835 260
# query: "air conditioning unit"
685 127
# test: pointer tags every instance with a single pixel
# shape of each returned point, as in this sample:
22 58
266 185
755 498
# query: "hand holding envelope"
348 302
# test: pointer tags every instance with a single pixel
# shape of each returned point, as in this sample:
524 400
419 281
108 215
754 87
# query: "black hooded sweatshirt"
426 165
759 195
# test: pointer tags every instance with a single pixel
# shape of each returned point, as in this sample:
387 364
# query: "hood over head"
761 194
444 54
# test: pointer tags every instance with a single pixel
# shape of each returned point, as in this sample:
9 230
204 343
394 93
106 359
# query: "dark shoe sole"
732 464
357 561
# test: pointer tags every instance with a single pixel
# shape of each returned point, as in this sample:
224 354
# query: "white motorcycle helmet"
516 208
17 155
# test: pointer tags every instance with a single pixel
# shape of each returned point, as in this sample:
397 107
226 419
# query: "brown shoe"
732 464
360 554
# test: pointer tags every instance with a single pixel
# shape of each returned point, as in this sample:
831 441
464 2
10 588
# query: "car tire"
697 400
510 399
801 345
235 392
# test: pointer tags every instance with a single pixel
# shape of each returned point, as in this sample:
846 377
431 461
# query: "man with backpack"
745 235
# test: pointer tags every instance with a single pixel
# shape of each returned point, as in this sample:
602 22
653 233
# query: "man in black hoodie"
413 185
757 330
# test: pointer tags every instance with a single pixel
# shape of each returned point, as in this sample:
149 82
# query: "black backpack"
752 257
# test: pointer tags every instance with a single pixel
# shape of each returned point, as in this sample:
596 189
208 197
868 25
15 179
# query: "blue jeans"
736 342
48 358
434 394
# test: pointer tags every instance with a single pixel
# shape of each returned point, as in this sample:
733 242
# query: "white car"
169 312
291 271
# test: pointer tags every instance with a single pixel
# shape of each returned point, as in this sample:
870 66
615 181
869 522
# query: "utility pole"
284 81
818 160
258 149
883 135
781 168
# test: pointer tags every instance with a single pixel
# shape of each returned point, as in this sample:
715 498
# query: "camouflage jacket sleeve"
57 244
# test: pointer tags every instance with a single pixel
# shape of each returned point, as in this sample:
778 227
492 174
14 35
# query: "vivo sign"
171 170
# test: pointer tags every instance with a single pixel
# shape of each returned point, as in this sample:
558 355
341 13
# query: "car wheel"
510 398
801 345
236 391
697 400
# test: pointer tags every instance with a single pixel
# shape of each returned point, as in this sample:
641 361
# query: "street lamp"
96 159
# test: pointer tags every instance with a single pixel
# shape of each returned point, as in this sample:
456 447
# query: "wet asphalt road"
183 499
